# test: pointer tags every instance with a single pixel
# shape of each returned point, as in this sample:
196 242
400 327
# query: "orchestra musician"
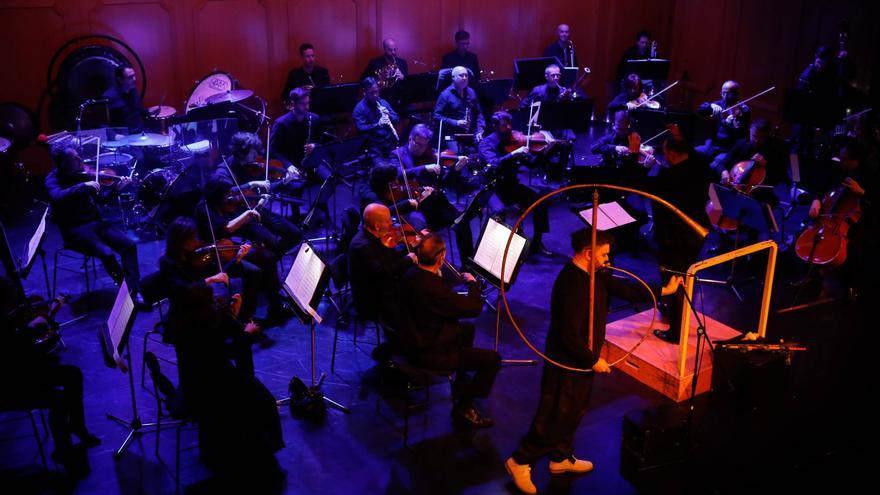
730 126
562 48
219 211
616 147
552 92
421 163
375 119
437 339
458 108
388 69
461 56
183 265
73 194
293 140
375 265
239 426
503 153
32 379
275 232
640 51
309 75
767 151
632 96
124 101
565 395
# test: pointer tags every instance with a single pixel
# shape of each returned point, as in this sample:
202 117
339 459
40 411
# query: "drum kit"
155 159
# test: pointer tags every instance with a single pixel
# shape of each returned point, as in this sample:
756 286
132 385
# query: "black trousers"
676 256
565 396
439 214
103 240
455 351
513 192
61 388
275 232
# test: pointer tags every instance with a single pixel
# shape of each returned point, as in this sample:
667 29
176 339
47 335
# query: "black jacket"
373 271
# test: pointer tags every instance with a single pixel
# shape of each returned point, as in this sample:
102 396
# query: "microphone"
675 272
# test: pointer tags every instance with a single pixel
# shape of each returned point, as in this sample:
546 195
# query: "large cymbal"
161 112
231 96
148 139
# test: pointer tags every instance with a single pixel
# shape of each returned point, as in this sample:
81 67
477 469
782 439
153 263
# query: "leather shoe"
539 248
666 336
469 416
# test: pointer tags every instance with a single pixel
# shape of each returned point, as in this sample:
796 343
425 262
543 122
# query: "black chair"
72 254
155 293
10 405
413 377
169 404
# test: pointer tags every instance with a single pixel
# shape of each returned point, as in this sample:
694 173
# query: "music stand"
486 263
115 334
574 115
335 98
35 247
529 72
747 211
305 284
652 69
568 76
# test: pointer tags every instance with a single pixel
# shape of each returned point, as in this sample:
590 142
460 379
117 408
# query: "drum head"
210 85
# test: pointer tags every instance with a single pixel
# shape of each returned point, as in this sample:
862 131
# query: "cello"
825 242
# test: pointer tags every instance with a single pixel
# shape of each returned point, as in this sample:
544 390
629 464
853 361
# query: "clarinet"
384 112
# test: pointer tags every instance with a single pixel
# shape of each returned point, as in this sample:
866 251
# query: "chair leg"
335 340
39 440
55 274
143 363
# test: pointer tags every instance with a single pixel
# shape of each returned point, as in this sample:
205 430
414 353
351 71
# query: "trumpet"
384 112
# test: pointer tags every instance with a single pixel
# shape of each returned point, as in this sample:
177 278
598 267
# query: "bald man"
388 57
374 268
562 48
730 126
458 108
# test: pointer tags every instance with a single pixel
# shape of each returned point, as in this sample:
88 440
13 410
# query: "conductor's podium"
655 362
669 368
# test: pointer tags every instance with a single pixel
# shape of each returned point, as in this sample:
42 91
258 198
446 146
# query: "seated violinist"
622 147
420 161
730 126
239 427
374 266
632 96
189 261
436 339
504 151
31 378
73 194
217 218
551 91
275 232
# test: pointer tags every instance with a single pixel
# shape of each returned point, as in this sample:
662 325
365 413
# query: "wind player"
375 119
459 110
309 75
562 48
390 59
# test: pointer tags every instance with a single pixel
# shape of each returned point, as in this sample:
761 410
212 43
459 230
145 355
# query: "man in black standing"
562 48
309 75
461 56
565 394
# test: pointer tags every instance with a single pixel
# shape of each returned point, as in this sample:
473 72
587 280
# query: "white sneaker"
572 465
521 475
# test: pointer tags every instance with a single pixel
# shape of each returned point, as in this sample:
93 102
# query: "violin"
256 170
206 254
825 242
643 101
447 159
43 340
538 141
398 234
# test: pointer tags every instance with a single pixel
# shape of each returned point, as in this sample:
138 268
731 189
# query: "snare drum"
210 85
120 163
160 118
154 186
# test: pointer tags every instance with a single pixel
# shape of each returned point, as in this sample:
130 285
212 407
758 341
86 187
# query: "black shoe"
470 417
279 313
666 336
139 301
88 440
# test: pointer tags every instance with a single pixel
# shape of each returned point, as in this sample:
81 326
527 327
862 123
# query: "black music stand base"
508 362
135 427
316 387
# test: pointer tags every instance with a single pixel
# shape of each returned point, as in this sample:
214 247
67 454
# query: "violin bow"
439 141
235 181
731 107
405 179
667 88
213 238
98 161
268 144
655 136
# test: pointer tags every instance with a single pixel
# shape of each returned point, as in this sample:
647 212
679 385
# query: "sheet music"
34 243
490 252
610 215
119 317
303 279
